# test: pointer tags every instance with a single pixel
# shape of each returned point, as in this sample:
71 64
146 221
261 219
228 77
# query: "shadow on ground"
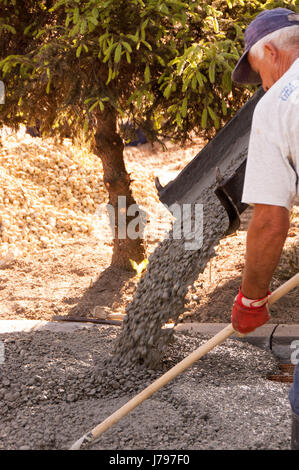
105 291
218 306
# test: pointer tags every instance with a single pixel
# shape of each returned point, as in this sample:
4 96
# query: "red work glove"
249 314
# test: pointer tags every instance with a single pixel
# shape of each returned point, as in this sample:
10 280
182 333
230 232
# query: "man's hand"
249 314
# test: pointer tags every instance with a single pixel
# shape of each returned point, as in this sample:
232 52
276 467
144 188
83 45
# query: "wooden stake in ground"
173 372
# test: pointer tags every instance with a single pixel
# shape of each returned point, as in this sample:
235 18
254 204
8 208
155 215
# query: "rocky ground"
54 387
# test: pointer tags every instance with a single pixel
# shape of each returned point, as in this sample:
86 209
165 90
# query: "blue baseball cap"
265 23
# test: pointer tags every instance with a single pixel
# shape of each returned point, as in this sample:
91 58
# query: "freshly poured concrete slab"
260 337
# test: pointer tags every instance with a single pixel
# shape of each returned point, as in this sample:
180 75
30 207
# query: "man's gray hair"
284 38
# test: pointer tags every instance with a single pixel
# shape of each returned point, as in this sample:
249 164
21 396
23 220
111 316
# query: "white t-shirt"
272 167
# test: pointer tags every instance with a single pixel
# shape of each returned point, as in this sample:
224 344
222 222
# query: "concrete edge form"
260 337
282 340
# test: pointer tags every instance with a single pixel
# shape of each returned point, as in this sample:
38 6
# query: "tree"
84 65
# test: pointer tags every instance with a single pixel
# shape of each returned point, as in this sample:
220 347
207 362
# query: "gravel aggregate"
64 384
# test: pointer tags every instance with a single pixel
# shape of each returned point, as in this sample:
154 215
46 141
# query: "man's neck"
287 58
294 55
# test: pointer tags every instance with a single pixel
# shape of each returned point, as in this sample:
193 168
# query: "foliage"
163 64
139 267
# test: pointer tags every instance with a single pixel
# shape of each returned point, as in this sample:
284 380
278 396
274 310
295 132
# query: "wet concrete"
56 386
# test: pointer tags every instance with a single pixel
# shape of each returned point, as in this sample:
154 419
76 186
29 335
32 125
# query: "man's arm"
266 236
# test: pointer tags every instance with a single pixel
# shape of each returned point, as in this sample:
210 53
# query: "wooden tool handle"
284 289
156 385
173 372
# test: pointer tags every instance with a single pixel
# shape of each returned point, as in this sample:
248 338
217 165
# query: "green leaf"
184 107
134 264
161 61
147 74
204 118
117 54
147 44
93 106
178 118
76 15
214 117
110 48
78 52
139 268
199 78
143 26
40 33
74 30
216 25
167 90
211 113
9 28
186 84
194 82
67 21
57 5
93 20
83 26
26 30
212 71
164 9
85 125
109 76
127 46
224 107
172 108
134 37
95 12
226 82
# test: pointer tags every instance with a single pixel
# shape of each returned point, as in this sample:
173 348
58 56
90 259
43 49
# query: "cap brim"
243 73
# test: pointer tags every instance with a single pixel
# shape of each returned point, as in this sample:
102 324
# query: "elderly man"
271 57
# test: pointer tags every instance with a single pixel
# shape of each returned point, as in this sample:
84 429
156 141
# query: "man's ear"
271 52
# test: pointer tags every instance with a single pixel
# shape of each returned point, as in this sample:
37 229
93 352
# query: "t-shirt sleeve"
269 177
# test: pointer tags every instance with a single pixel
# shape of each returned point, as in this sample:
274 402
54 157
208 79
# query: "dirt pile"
49 193
54 192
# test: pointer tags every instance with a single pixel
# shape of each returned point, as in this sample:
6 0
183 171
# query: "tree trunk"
109 147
